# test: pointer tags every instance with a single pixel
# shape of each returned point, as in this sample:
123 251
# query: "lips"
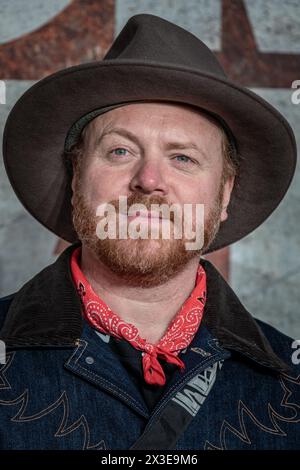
145 215
149 214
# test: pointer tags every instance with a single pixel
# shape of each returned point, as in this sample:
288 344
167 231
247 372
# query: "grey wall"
265 266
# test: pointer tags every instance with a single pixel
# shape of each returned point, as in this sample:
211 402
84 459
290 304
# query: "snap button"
89 360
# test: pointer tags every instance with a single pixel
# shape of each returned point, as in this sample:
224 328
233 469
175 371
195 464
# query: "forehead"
161 117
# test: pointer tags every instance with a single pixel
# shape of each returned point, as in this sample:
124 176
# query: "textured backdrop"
258 43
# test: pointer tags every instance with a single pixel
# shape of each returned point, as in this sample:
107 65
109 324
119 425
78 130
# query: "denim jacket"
62 387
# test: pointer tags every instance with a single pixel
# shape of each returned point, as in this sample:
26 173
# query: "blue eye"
117 149
184 158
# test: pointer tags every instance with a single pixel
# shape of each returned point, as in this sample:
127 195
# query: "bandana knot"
178 336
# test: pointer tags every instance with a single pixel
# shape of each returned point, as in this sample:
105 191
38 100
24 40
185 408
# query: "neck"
149 309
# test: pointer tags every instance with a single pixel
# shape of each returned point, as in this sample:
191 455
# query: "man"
131 341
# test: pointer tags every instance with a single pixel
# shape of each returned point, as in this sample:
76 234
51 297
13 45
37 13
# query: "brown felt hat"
150 60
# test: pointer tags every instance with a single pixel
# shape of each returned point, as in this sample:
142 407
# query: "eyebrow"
129 135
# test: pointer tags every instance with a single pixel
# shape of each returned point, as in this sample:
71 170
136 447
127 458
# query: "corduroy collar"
46 312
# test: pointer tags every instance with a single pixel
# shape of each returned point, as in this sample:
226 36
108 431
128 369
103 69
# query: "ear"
228 186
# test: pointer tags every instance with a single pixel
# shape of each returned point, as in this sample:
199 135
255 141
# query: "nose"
148 179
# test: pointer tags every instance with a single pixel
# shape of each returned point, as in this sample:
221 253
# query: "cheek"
202 192
205 192
101 186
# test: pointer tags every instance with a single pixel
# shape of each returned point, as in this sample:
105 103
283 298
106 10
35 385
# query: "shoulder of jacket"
4 306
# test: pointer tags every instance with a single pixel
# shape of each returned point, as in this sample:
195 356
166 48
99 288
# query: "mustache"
137 198
147 201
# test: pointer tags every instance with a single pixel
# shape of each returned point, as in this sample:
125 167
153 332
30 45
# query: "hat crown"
148 37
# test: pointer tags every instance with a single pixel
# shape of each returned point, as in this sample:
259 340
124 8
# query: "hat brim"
36 129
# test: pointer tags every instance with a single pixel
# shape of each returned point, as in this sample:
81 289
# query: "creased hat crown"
150 38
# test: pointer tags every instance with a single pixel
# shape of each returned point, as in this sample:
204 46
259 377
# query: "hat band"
75 131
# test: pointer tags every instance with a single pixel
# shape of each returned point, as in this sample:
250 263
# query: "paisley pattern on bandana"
178 336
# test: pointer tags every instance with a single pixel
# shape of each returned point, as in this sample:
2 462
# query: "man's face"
160 153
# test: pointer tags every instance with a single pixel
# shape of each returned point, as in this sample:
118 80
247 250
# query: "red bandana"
178 336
